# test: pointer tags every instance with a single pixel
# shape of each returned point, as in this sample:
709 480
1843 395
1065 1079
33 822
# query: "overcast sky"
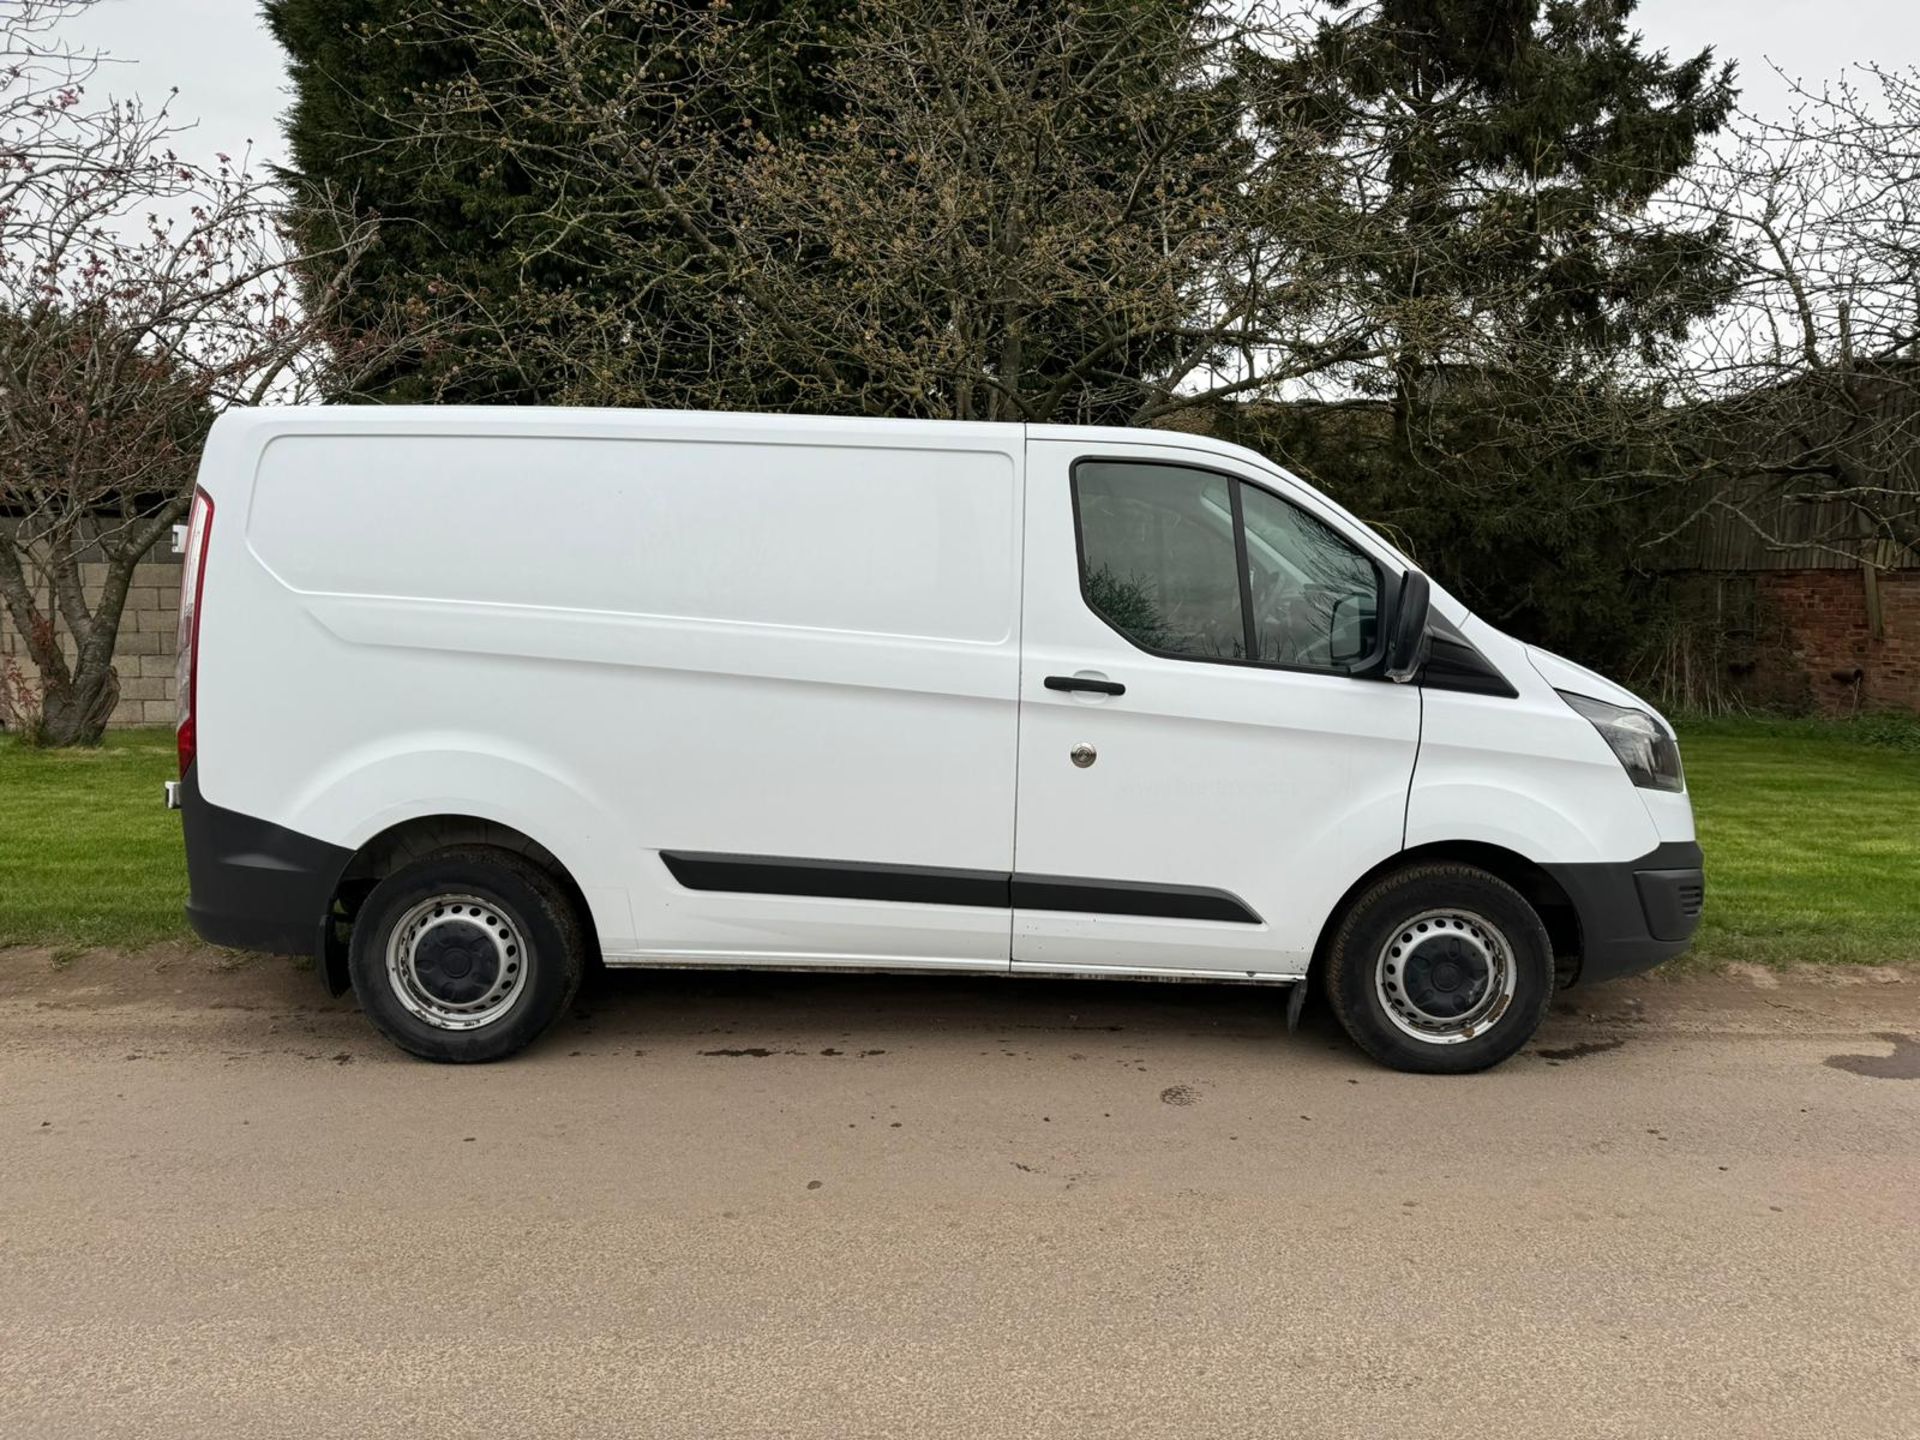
231 80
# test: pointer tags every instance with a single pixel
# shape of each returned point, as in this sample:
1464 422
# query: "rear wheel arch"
416 839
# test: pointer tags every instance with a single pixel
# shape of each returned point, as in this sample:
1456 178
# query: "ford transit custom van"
470 698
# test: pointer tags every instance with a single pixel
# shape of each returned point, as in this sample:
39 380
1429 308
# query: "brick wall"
143 652
1825 616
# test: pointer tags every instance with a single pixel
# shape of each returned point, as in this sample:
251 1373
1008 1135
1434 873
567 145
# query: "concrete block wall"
143 653
1831 635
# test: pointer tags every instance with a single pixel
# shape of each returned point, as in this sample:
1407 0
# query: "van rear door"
1200 777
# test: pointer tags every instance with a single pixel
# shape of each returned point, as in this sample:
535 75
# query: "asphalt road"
825 1206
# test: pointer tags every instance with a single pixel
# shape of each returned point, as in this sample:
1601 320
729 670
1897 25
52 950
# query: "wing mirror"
1407 639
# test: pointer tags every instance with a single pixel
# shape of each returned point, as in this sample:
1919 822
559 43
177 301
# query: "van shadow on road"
755 1014
808 1007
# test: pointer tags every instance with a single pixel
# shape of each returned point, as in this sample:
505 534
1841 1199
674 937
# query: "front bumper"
251 884
1634 914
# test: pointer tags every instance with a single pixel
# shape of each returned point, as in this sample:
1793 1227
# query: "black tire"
1361 943
529 903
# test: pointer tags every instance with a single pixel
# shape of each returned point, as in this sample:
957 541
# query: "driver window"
1316 600
1158 561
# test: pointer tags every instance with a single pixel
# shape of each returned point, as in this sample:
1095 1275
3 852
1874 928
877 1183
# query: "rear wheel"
1441 969
466 955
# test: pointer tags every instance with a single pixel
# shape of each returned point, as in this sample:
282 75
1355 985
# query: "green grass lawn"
89 854
1812 837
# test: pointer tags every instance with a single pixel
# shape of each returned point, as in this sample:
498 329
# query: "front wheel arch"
1549 900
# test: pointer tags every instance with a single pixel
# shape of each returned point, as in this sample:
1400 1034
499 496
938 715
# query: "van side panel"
736 642
905 543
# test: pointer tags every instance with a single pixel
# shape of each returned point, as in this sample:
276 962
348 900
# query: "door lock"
1083 755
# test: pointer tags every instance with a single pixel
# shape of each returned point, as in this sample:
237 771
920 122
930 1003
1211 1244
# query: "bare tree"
1800 413
1076 213
139 293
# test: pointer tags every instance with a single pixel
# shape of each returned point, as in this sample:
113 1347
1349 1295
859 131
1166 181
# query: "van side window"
1159 548
1157 556
1316 600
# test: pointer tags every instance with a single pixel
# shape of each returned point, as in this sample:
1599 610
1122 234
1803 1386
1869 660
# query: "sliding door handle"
1086 683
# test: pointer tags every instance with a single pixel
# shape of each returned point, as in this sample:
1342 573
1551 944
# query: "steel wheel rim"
1445 976
457 962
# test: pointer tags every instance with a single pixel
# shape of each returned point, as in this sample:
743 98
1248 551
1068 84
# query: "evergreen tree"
1510 156
1511 149
466 226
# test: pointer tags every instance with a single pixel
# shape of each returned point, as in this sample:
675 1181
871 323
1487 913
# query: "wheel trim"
1445 976
457 962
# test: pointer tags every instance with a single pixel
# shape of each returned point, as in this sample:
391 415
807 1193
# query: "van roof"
261 422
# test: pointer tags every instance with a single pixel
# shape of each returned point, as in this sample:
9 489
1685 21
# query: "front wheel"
467 954
1440 969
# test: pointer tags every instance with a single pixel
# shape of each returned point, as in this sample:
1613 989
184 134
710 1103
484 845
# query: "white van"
472 697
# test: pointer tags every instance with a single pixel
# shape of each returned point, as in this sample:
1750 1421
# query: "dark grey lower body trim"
254 885
932 885
1634 914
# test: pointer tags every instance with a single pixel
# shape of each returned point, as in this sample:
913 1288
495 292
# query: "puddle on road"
1902 1064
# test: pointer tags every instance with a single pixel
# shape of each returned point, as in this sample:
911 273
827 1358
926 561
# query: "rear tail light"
193 577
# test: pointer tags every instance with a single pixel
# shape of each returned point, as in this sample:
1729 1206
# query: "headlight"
1645 747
